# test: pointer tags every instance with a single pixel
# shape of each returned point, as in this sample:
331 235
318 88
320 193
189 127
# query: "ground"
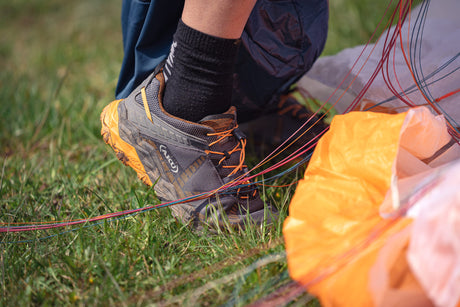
59 63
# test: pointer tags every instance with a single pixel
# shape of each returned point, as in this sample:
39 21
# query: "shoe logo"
172 164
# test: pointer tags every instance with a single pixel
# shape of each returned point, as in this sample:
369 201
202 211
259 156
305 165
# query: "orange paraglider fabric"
334 231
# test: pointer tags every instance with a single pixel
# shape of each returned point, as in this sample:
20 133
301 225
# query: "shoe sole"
125 152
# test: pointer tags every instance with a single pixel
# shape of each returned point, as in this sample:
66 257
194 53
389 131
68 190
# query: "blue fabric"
281 41
148 28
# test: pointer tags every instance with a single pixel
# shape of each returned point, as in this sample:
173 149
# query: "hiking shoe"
182 159
267 132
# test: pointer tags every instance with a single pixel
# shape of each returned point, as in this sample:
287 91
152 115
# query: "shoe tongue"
220 122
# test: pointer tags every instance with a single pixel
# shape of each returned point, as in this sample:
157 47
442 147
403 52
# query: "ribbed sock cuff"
209 44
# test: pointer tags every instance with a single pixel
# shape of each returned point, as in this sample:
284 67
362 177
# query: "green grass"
59 63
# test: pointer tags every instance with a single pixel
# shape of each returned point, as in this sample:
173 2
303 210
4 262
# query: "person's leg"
200 65
280 42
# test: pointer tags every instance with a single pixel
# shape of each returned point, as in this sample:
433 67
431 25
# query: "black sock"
199 74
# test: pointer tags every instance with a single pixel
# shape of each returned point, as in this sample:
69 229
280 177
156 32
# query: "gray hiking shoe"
183 158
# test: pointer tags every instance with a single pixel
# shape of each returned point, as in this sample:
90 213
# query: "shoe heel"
124 152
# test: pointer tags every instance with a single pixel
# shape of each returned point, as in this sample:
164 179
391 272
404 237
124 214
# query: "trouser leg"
281 41
148 28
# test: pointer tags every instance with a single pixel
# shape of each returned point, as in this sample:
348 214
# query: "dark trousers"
280 43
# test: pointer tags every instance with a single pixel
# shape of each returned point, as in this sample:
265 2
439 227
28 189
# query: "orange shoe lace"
226 155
